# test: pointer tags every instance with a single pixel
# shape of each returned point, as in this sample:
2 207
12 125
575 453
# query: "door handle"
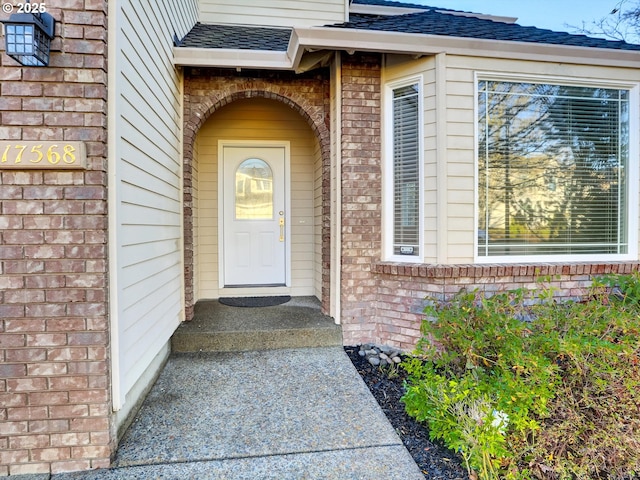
282 229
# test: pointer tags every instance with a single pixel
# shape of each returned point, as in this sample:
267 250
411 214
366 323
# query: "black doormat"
254 301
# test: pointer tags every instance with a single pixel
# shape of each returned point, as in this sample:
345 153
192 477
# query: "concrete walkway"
281 414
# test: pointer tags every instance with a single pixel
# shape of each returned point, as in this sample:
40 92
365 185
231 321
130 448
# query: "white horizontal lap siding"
430 165
299 13
317 224
148 180
205 246
195 216
460 180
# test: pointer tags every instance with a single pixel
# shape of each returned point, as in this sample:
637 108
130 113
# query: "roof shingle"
437 23
237 37
387 3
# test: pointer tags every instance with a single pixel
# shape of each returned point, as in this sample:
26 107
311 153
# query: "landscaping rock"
380 355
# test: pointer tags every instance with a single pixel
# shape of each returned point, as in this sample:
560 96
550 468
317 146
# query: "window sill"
430 270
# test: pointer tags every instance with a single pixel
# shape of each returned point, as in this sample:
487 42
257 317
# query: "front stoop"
220 328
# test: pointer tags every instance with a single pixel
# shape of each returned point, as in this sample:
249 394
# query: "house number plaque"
52 155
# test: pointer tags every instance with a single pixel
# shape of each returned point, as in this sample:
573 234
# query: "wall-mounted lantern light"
28 38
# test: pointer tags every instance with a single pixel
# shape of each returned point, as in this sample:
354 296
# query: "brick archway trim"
198 109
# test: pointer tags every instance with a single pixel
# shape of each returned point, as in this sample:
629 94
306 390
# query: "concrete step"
298 323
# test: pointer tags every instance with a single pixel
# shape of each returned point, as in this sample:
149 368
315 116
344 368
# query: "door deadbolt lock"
281 228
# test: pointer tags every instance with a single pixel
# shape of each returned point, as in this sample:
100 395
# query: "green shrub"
525 387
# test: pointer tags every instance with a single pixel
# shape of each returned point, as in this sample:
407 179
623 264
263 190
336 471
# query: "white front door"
254 218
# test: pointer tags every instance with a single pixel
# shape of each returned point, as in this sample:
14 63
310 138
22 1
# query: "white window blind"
553 167
406 171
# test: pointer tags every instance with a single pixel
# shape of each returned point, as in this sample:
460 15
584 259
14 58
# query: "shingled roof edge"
425 44
458 24
335 38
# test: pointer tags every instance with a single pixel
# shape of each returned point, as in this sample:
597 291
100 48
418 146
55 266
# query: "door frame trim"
287 202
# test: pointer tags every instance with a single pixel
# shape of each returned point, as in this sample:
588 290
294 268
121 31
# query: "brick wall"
54 383
207 90
361 196
402 288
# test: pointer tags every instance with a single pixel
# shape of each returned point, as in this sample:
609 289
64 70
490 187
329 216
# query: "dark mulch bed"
435 461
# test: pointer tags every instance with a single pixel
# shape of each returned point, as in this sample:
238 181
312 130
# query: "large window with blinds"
403 182
553 170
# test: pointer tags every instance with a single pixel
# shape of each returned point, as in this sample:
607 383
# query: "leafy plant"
391 371
460 415
525 387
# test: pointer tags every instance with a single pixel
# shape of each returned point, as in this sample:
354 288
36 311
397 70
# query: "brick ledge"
429 270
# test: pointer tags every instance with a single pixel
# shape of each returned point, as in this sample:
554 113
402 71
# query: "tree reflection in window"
552 169
254 190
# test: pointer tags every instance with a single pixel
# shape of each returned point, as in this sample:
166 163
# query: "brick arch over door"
207 93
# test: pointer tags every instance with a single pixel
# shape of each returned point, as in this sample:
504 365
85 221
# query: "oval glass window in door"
254 190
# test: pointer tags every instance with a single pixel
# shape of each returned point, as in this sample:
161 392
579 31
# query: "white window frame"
633 168
388 172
